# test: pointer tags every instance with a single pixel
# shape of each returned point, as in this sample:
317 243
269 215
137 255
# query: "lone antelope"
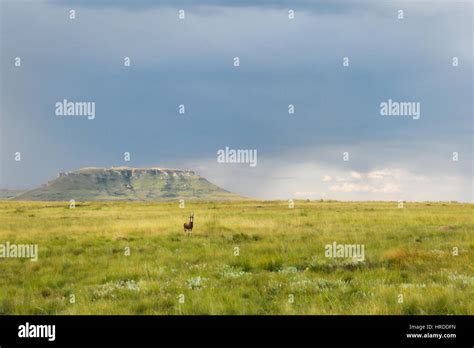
188 226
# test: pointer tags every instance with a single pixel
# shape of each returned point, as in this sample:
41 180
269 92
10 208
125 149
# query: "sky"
283 61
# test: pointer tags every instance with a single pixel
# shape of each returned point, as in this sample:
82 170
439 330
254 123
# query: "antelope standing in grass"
188 226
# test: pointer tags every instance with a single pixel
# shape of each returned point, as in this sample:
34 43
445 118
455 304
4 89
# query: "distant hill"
127 184
8 194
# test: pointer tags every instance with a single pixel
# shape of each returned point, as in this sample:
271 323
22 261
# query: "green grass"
282 254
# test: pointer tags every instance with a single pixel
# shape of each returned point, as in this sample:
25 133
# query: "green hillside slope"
127 184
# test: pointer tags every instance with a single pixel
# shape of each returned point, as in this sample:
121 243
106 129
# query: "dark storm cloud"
299 62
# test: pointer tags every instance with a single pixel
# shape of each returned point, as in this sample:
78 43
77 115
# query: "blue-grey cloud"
283 62
321 6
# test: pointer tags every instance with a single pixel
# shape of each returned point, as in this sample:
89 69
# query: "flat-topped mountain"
127 184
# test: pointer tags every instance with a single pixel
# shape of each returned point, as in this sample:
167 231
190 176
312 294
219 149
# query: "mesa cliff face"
127 184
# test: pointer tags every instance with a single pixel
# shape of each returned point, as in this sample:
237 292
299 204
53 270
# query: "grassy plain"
281 267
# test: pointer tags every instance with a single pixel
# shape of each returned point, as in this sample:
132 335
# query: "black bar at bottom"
447 331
